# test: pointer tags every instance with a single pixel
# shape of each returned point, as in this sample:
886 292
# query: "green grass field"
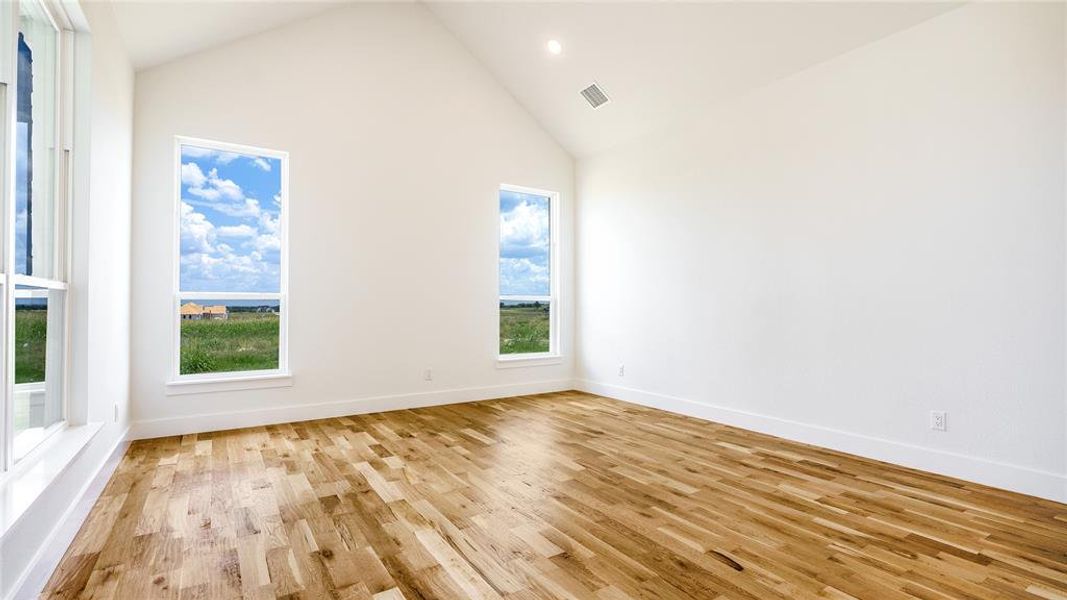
31 336
247 341
524 329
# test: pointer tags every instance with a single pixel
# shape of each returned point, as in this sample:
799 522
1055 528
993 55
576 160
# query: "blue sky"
230 208
21 185
524 245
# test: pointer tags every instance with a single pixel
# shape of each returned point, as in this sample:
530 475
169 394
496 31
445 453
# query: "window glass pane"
35 137
31 334
230 208
38 347
219 336
524 245
524 327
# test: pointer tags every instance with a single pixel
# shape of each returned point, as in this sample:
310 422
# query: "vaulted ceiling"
157 31
657 61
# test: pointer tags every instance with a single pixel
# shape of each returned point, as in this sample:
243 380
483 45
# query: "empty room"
735 300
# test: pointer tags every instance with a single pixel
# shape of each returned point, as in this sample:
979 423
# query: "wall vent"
595 96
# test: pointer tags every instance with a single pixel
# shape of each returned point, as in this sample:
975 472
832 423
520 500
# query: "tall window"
528 321
231 276
34 274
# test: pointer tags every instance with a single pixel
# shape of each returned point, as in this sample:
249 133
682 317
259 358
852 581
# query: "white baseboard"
305 412
51 550
1044 484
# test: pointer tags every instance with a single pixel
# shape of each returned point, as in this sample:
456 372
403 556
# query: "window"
39 352
35 144
528 321
231 276
34 277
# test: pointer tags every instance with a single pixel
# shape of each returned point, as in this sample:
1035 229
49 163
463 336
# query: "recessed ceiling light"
554 47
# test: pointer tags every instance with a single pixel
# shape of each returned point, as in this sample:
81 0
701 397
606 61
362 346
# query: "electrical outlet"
622 370
939 420
428 375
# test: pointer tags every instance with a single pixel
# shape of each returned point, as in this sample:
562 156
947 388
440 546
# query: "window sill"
30 477
528 360
229 384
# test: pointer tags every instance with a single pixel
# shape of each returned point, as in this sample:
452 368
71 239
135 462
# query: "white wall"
398 141
109 222
99 292
835 255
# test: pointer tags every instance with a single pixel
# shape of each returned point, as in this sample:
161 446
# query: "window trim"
63 206
257 381
230 380
554 355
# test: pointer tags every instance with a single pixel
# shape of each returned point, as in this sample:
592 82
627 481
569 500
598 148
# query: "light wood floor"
554 496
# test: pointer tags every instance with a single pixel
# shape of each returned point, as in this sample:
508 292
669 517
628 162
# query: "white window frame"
231 380
63 207
554 354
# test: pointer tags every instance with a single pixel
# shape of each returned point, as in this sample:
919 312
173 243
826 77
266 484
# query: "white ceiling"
156 31
657 61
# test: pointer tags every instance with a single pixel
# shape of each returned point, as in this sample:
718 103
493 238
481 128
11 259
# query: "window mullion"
230 295
507 298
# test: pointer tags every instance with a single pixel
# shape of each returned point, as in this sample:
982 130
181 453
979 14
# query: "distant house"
216 312
194 312
191 312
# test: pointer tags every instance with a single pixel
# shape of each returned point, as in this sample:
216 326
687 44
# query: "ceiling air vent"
594 96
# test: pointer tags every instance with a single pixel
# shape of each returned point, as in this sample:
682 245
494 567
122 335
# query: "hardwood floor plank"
562 495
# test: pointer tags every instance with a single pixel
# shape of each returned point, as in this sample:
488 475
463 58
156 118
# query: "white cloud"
21 223
209 264
198 268
523 276
223 195
225 269
205 193
524 230
524 249
197 152
197 232
267 243
192 175
227 187
214 187
239 250
268 222
218 156
236 231
249 208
